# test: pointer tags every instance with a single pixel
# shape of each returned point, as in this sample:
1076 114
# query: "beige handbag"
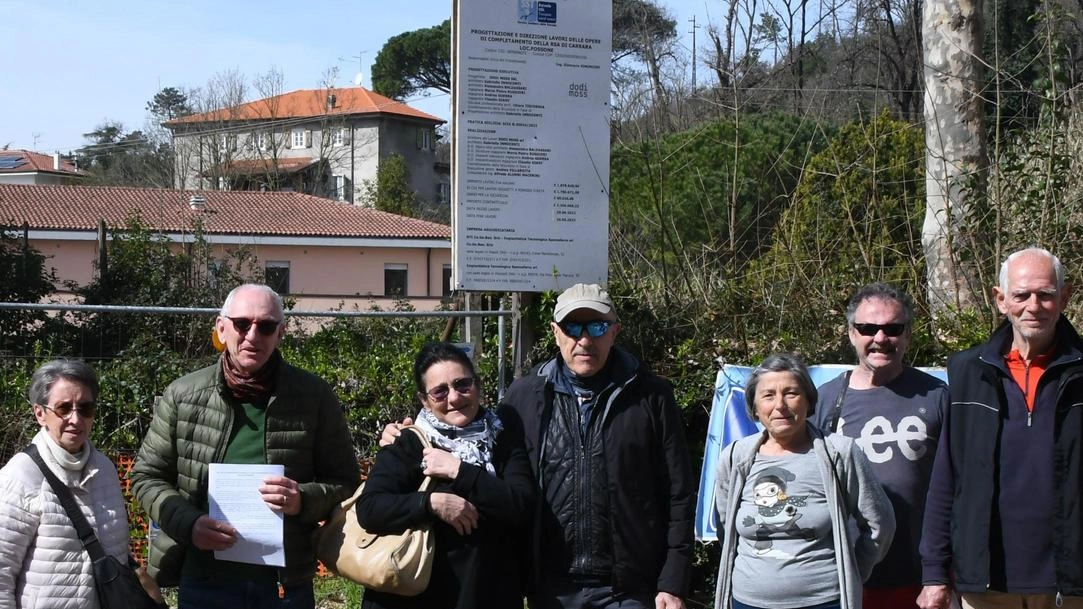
399 564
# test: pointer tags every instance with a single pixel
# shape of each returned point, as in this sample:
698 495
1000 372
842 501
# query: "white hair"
255 287
1031 251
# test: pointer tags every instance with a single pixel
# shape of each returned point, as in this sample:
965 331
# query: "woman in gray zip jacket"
802 518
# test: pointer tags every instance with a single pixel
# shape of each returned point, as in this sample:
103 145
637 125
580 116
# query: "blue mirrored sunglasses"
595 328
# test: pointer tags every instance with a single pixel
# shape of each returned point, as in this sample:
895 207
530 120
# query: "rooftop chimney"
331 101
197 203
56 161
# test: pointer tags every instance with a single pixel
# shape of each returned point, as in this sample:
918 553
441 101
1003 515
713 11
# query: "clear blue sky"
70 65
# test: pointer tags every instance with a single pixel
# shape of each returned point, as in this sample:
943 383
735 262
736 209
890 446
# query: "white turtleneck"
74 462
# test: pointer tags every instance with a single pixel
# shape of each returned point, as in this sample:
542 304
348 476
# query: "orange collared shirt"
1027 376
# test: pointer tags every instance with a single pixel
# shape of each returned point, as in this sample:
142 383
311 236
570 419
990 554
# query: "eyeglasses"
440 392
872 329
595 328
64 410
266 327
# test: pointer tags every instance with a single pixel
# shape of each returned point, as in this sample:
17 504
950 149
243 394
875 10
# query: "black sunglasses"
872 329
440 392
63 410
595 328
266 327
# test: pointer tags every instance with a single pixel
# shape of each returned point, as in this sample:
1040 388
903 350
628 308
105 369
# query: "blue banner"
730 422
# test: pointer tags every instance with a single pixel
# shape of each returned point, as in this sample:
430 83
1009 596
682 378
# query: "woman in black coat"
480 498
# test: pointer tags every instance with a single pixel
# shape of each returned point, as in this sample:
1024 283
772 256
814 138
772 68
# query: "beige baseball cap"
582 296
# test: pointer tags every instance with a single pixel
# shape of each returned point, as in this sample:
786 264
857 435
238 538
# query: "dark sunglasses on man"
888 329
595 328
462 386
266 327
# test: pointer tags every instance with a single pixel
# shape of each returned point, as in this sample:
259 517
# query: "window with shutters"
298 139
339 182
424 138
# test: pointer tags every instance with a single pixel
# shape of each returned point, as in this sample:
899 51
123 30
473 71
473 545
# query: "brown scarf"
255 388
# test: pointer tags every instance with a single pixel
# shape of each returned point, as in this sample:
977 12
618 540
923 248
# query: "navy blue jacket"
961 533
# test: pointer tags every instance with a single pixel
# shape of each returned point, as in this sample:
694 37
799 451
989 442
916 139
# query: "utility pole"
694 27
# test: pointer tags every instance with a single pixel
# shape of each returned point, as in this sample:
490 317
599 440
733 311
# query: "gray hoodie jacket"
862 520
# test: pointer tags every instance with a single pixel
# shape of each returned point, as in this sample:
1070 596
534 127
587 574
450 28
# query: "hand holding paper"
210 534
236 499
281 495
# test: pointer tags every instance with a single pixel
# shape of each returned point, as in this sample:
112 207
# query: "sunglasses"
463 386
266 327
595 328
872 329
64 410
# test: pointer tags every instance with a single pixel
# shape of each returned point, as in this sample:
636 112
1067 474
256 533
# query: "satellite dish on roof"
359 79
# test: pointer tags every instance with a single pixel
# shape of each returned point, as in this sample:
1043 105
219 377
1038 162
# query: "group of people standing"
577 489
887 488
883 488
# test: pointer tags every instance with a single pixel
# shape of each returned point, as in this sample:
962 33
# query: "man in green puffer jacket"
249 407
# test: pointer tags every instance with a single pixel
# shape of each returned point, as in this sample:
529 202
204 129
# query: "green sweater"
306 432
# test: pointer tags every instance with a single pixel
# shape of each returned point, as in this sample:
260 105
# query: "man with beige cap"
606 443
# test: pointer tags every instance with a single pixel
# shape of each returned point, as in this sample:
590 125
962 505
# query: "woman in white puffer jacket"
42 563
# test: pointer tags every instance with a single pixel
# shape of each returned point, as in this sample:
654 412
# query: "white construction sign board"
531 84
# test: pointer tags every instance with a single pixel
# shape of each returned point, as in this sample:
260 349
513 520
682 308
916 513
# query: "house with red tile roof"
322 253
325 142
28 167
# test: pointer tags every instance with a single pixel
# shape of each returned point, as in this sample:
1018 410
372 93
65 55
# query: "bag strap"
67 499
425 443
836 412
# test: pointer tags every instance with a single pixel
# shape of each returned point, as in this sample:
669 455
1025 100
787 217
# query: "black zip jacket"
481 570
651 488
961 507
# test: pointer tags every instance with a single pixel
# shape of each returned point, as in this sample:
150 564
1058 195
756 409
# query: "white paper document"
234 498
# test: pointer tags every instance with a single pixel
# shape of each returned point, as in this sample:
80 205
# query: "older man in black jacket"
606 443
1002 519
607 446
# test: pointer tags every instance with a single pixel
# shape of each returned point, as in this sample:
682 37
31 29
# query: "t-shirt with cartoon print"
785 554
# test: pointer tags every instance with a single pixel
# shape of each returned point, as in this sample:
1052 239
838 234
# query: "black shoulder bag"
117 584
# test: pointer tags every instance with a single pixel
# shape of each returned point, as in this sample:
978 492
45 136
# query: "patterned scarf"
251 389
472 443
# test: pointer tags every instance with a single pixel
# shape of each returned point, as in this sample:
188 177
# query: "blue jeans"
199 593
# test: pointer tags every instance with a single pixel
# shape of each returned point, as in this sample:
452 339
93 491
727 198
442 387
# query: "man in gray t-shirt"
894 413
